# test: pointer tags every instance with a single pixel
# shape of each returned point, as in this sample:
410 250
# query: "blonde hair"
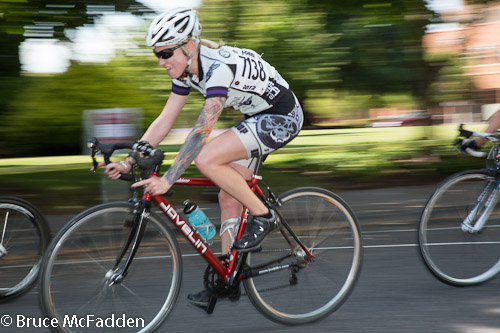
211 44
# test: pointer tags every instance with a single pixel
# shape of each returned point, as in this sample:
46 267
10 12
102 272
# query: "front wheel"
78 285
452 250
308 290
24 237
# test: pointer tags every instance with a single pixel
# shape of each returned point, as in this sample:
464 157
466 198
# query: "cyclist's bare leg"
214 162
230 207
231 210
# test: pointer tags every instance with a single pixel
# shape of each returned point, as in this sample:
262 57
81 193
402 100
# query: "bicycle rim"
75 278
23 239
329 229
456 256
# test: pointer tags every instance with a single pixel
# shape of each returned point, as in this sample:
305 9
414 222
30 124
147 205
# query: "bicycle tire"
75 279
330 230
458 257
24 237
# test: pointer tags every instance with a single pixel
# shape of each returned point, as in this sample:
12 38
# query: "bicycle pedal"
211 304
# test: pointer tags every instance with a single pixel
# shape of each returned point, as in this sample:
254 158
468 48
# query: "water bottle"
199 220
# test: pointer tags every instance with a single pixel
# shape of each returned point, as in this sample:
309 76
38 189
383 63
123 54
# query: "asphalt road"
395 292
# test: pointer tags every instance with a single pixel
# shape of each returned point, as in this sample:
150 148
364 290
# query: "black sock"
266 216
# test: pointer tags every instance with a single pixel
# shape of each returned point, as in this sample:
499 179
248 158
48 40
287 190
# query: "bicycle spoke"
78 277
4 226
455 255
23 238
331 234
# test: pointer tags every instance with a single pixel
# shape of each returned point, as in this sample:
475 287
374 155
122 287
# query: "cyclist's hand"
115 169
468 143
154 185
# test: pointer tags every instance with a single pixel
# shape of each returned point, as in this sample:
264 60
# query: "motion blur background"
364 70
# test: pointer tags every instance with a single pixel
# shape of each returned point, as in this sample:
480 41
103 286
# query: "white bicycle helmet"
173 27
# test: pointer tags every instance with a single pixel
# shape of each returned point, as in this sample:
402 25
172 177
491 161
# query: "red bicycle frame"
184 227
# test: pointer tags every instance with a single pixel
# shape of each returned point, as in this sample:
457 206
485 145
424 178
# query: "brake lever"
95 165
92 144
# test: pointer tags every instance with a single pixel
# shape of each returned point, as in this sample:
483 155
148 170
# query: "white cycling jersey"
248 82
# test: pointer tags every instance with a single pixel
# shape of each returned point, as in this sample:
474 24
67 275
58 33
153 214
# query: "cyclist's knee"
203 162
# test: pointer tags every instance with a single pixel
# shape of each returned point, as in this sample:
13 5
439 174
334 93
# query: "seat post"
260 160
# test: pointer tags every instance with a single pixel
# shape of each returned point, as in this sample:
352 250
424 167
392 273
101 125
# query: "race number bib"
252 73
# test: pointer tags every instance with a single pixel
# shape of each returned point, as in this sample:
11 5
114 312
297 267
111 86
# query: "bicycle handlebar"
152 158
475 153
468 134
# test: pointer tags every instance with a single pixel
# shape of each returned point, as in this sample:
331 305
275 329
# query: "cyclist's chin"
174 73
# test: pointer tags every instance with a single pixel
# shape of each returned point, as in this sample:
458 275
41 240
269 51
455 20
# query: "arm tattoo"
197 137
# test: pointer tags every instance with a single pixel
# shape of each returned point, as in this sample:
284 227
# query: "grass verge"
335 159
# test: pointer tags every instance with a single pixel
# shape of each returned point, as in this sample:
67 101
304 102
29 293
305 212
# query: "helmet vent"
181 29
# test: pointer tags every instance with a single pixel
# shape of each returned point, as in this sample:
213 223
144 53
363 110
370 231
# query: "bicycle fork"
116 275
484 206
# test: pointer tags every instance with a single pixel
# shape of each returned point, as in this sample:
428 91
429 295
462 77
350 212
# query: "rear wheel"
315 288
77 277
24 236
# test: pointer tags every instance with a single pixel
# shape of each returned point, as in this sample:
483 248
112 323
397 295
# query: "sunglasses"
167 53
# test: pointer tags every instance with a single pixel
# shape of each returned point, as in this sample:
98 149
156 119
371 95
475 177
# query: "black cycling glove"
468 143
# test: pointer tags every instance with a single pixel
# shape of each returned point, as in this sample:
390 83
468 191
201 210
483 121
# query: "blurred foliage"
21 19
451 84
51 123
340 58
334 159
355 48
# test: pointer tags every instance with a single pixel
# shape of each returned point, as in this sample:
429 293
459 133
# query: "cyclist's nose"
162 62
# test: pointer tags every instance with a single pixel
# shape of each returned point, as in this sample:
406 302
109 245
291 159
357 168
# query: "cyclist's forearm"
156 132
186 156
493 124
162 125
196 138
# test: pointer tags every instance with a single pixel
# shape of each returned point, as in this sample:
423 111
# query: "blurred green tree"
46 116
361 52
353 48
44 19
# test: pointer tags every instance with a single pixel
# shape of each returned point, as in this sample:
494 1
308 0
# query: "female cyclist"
226 77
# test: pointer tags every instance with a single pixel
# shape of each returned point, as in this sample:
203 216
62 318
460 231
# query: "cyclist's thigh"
223 149
265 133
